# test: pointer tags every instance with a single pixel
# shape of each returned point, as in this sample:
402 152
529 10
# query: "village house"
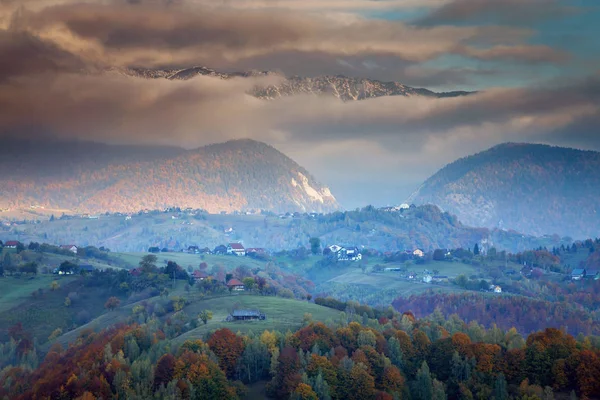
593 274
334 248
12 244
418 253
427 279
256 252
69 247
495 289
235 285
193 250
349 253
578 274
236 249
246 315
199 276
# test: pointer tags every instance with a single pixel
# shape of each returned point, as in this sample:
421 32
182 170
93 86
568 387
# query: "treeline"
526 314
397 358
353 307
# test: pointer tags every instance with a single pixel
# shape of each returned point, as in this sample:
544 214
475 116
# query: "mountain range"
86 177
342 87
531 188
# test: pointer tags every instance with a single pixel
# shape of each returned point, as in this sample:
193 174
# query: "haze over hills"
84 177
532 188
342 87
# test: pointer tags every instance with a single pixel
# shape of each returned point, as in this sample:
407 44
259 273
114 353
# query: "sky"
534 63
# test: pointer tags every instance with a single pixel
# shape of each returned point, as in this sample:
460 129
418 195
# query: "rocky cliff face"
342 87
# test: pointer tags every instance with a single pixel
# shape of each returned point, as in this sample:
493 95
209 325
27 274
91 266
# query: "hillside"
342 87
82 177
531 188
423 227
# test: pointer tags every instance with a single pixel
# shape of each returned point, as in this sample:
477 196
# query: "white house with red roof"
199 276
236 248
11 244
235 284
70 247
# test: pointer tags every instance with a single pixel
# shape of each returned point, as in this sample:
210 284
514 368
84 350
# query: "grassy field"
42 313
282 314
16 290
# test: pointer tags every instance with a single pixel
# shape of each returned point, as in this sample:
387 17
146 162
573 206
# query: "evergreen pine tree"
500 388
395 352
423 385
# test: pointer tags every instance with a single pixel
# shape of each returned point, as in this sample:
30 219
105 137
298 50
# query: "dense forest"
393 357
530 188
95 178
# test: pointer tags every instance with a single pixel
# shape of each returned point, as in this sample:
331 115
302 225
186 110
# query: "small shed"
246 315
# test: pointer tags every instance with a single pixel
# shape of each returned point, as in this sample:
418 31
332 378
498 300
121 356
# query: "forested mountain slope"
87 177
531 188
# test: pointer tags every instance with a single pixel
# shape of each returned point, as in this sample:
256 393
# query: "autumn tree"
112 303
163 373
205 316
287 375
304 392
228 347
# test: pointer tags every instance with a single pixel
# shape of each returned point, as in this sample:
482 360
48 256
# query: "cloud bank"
54 81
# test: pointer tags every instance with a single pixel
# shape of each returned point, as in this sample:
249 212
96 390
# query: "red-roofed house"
255 250
199 276
235 284
70 247
236 248
11 244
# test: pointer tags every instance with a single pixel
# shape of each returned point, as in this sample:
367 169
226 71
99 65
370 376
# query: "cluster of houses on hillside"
343 253
234 249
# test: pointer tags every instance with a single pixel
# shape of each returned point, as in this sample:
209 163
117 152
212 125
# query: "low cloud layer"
55 80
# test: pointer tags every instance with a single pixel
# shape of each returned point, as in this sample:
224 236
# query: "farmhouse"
236 249
578 274
349 253
427 278
199 276
12 244
235 285
334 248
495 289
193 250
246 315
69 247
592 274
418 253
252 251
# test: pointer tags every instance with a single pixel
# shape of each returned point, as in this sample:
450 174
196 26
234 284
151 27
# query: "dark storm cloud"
23 54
